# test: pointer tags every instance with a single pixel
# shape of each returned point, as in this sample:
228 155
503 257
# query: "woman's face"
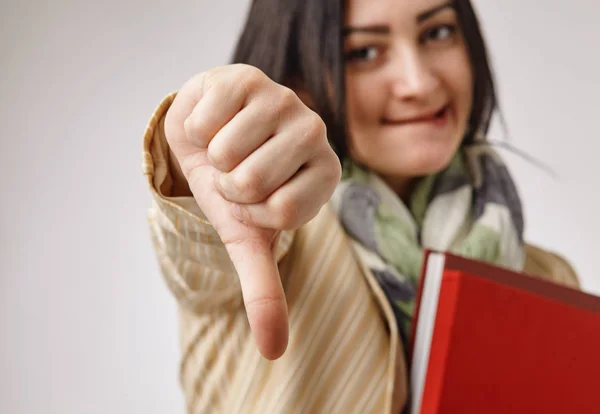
409 86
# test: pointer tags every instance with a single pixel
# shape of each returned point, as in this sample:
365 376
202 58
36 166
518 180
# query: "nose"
411 76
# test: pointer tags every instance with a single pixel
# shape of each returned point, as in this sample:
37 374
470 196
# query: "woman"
249 202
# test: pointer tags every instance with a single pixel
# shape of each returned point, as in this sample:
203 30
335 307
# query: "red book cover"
489 340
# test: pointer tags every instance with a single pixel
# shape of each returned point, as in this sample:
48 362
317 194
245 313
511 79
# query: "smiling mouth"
436 116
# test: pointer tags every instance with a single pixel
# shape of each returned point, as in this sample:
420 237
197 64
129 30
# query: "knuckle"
251 186
257 304
253 71
221 157
332 179
334 170
209 79
192 85
196 127
256 244
318 128
288 212
212 75
282 103
192 126
314 133
200 79
287 98
253 78
218 81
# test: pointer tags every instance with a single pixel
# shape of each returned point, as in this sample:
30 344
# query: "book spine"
440 342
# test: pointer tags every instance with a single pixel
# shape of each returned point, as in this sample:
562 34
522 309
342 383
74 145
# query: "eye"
362 54
439 33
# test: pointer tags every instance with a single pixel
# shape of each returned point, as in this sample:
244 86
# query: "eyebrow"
384 30
376 29
432 12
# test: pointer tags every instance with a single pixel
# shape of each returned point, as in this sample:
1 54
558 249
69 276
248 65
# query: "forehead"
359 12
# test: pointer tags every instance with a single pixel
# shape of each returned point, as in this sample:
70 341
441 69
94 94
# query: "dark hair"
299 43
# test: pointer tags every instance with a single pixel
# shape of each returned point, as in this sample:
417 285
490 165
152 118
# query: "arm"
257 162
192 258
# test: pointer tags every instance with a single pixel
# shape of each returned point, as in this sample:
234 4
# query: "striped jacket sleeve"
192 258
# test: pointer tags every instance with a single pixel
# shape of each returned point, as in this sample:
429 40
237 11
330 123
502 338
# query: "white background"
86 323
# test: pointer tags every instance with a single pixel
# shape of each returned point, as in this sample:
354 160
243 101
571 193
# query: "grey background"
86 323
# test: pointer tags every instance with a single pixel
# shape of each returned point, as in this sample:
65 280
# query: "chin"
432 165
409 155
416 163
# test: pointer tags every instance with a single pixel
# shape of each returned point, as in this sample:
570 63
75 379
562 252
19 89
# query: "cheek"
364 104
458 76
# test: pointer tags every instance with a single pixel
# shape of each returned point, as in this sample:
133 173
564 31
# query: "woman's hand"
257 161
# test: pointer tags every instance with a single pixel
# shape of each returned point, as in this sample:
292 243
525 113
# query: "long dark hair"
299 43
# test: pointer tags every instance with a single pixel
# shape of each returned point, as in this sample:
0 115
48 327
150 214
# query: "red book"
489 340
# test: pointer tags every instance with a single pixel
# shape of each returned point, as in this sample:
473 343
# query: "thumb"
262 290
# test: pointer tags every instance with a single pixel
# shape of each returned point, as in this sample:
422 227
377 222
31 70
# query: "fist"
257 161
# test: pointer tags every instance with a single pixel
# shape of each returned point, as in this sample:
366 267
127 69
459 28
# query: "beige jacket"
344 353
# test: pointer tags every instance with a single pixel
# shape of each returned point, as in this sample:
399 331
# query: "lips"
426 117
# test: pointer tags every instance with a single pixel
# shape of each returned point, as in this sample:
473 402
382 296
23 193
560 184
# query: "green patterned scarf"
471 209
